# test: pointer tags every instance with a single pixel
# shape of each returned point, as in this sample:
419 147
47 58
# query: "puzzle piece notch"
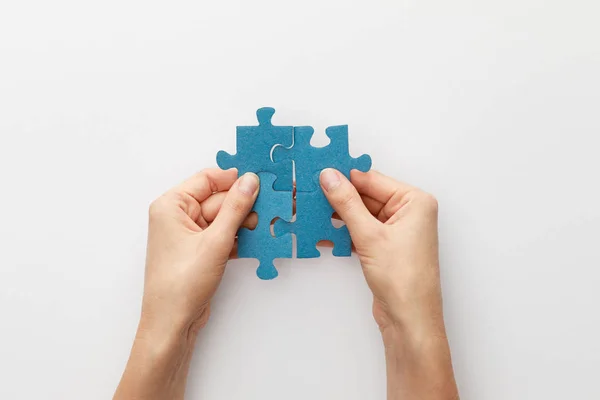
254 145
311 160
259 243
313 224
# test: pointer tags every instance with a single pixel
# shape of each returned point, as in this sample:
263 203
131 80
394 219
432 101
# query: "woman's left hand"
191 236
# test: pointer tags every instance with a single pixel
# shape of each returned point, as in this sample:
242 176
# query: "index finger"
208 181
378 186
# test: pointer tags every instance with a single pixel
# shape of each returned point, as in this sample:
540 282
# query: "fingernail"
330 179
248 183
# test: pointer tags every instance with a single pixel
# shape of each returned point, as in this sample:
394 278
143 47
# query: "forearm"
418 362
158 365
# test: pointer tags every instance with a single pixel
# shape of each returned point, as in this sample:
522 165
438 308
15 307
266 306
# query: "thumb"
237 205
346 201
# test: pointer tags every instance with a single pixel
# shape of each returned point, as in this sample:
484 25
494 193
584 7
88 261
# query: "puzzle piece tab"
313 223
254 145
309 160
259 243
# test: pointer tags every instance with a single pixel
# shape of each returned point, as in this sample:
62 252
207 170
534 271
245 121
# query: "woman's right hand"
394 231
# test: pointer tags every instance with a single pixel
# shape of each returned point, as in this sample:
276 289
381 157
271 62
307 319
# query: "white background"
493 106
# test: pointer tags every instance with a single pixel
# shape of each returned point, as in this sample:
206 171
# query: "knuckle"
205 174
202 173
167 201
176 197
428 202
155 207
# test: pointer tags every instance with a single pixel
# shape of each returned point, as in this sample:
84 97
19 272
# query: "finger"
236 206
346 201
373 206
251 221
212 205
378 186
206 182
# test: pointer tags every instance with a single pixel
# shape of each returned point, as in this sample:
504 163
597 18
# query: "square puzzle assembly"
274 153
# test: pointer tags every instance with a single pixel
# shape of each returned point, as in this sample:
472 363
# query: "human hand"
191 236
394 231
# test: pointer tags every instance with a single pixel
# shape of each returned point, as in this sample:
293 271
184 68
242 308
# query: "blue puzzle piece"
254 145
309 160
259 243
313 223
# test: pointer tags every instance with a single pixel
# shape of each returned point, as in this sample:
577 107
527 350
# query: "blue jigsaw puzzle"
274 153
259 243
309 160
254 145
313 224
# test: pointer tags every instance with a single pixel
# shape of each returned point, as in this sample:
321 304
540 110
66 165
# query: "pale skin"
192 235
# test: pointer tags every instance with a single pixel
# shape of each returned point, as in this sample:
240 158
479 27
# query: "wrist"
164 320
166 329
161 336
411 341
418 361
412 314
159 362
163 343
413 332
156 369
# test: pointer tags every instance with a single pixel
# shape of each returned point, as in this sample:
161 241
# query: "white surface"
490 105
